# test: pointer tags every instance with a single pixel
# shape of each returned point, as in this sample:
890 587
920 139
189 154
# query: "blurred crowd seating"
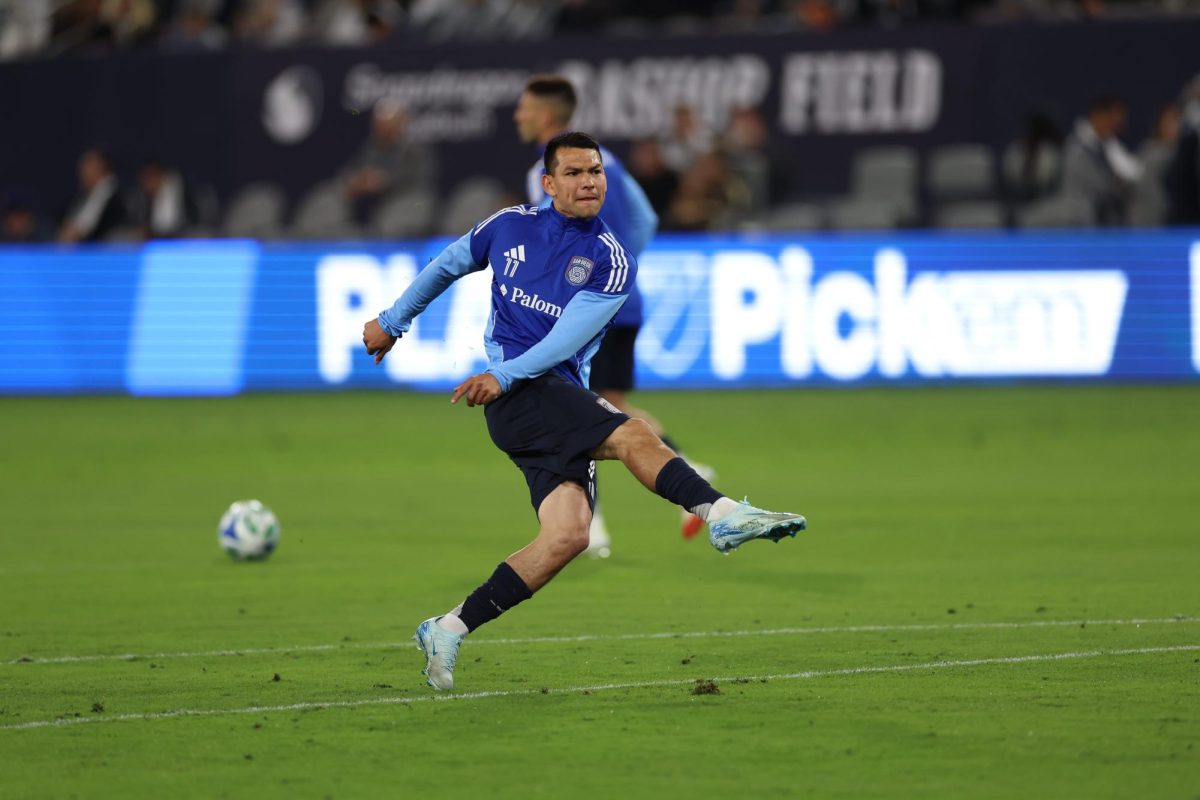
1074 173
48 28
697 180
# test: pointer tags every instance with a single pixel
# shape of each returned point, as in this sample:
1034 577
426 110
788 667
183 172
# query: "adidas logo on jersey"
513 258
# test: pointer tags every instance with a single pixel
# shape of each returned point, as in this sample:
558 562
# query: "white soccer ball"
248 530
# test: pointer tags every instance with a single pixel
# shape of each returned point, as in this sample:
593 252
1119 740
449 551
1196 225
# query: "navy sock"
498 594
680 484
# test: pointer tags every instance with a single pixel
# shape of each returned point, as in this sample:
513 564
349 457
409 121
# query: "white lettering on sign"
631 99
755 314
442 104
353 288
958 324
860 92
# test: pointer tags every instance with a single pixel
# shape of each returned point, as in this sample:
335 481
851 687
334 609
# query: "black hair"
570 139
556 89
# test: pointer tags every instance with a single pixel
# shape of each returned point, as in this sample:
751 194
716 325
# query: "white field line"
621 637
604 687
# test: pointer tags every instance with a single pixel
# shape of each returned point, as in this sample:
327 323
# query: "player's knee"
637 434
570 540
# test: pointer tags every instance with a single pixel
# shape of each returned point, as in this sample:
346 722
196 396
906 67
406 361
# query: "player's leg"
563 519
547 427
620 399
661 471
613 379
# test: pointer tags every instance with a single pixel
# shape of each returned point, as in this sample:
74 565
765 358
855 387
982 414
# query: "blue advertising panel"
224 317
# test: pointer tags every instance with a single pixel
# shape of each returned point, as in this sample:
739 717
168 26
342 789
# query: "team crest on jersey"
579 270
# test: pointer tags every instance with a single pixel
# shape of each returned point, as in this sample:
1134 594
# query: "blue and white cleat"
440 647
747 522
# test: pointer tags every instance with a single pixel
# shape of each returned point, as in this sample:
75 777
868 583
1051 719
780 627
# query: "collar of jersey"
573 223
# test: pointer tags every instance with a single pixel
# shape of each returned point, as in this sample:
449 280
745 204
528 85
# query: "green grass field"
998 596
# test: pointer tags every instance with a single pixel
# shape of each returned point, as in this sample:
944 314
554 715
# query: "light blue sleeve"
450 265
584 316
533 186
642 222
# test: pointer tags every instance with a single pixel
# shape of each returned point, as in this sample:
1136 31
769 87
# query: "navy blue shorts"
612 366
548 426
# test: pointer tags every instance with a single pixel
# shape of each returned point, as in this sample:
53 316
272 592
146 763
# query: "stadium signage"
860 92
444 104
951 324
836 92
1195 274
625 99
220 317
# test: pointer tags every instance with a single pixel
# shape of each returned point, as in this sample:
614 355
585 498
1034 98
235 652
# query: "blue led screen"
224 317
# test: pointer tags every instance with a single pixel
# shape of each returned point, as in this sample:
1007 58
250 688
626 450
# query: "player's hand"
479 389
377 340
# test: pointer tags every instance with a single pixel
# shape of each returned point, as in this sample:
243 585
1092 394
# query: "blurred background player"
543 111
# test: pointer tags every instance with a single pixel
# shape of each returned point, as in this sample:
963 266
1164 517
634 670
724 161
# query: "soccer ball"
248 530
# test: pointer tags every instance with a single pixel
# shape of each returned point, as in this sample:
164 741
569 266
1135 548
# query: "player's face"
578 184
528 117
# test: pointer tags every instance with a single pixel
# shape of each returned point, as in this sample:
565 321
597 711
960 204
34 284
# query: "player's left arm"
457 260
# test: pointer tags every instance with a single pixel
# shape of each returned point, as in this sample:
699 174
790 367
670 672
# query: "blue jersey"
557 282
627 211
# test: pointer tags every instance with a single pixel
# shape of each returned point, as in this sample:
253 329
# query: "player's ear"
548 186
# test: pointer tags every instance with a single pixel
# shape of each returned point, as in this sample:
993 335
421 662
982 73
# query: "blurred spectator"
1032 163
195 27
345 23
745 147
130 22
647 166
687 140
389 162
1149 205
530 19
271 23
817 15
1096 166
709 197
20 223
439 20
742 15
101 26
24 27
78 27
1183 171
96 210
162 207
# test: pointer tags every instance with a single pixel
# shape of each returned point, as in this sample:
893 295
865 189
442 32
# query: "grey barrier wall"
294 117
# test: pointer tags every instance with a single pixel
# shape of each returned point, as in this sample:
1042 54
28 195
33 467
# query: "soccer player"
544 111
559 275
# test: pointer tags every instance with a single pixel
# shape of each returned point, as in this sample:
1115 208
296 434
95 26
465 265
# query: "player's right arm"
461 258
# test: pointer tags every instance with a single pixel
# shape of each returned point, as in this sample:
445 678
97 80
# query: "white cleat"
440 647
599 542
747 522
